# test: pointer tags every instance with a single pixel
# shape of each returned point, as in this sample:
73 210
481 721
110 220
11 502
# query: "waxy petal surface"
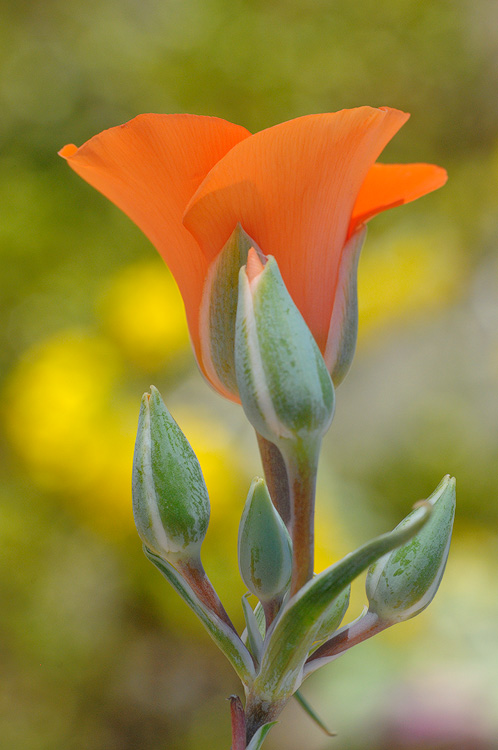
150 168
293 188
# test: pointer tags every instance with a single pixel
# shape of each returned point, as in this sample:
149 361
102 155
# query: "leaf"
225 638
254 639
312 714
332 617
260 735
296 629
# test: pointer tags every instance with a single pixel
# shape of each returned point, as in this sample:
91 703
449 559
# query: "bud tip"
254 266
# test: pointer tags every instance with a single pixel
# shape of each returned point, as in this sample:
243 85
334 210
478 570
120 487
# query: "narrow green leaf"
260 735
312 713
225 638
296 629
259 614
254 638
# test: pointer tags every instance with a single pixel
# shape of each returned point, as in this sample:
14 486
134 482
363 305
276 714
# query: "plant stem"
271 609
302 464
238 723
345 638
260 712
276 477
195 575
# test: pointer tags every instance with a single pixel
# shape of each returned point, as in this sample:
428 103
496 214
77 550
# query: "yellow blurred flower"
142 312
407 276
61 419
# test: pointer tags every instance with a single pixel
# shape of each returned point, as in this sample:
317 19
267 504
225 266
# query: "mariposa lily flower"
302 190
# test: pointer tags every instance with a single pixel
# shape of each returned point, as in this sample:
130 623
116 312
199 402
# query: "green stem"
302 464
276 477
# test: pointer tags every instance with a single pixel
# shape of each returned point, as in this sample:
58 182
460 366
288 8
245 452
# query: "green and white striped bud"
403 583
284 384
265 549
170 499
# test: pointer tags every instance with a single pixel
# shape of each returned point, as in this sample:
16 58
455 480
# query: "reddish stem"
195 575
238 723
302 470
359 630
276 477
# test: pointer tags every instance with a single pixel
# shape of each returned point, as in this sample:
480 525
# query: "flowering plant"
262 234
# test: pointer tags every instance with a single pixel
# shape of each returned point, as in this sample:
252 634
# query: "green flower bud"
403 583
284 384
170 499
265 549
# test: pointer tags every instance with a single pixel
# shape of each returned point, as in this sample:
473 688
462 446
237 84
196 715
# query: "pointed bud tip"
254 266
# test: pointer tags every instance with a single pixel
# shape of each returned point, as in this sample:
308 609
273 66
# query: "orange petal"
389 185
150 167
292 188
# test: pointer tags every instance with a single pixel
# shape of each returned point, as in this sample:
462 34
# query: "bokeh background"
95 651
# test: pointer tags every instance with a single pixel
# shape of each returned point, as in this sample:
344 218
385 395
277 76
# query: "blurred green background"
95 651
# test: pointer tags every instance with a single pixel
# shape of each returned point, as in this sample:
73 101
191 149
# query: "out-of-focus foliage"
95 651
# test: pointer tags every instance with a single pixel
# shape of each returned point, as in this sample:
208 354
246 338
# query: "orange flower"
302 190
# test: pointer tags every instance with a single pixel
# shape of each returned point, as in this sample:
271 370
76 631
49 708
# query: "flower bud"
284 385
170 499
403 583
265 549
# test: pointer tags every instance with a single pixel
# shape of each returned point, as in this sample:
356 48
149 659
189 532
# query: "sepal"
343 329
218 312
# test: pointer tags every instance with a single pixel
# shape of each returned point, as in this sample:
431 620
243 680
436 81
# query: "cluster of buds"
288 396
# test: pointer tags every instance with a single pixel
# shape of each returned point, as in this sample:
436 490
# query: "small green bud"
403 583
170 499
265 549
284 385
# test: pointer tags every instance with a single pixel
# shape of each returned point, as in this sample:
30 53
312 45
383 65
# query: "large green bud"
284 384
404 582
170 499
